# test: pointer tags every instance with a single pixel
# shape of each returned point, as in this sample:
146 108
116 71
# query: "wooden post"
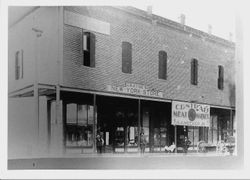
38 34
49 124
193 137
94 124
175 137
231 122
139 124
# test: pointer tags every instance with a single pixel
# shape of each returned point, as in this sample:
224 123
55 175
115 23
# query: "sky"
199 14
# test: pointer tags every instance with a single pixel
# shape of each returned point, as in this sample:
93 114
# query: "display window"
79 125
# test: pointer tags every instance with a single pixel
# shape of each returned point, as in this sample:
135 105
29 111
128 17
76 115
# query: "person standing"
186 144
99 143
143 143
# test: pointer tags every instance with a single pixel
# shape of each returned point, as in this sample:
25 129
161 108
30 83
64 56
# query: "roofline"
23 16
176 25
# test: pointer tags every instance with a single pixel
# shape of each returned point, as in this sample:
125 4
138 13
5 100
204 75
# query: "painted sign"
190 114
87 23
135 89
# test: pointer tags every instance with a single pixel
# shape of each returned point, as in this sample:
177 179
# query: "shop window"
88 47
194 71
162 74
220 77
79 125
126 57
212 133
19 65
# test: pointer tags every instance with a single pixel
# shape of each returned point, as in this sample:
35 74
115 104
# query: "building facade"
117 72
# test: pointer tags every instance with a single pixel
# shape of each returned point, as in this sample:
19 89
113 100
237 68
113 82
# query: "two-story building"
75 72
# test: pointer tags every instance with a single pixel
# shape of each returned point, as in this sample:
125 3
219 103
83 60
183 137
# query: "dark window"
19 64
162 65
88 47
221 77
194 72
126 57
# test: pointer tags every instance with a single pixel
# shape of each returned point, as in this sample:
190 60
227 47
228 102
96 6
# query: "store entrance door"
126 130
117 122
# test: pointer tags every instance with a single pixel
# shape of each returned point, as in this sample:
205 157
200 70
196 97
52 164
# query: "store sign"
135 89
190 114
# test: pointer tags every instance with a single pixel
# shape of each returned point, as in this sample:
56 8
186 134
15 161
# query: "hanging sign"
190 114
135 89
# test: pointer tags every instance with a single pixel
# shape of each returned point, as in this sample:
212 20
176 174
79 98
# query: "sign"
135 89
85 22
190 114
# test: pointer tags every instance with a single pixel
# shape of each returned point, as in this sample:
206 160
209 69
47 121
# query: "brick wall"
147 40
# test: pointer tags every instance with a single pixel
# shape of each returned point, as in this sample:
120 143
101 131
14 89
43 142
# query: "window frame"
220 77
126 57
19 65
162 65
88 54
194 71
78 124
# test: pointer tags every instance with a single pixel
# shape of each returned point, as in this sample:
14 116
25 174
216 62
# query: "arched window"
194 72
221 77
126 57
162 65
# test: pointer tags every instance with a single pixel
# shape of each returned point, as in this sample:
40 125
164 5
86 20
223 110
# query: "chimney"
209 29
182 19
149 10
230 36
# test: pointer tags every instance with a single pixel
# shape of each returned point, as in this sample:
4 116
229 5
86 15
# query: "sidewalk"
125 161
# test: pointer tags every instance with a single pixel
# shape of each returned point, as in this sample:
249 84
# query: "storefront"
202 123
120 120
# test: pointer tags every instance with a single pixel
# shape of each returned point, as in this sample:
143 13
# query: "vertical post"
58 123
49 124
175 137
193 137
139 124
38 34
64 121
231 122
94 124
36 99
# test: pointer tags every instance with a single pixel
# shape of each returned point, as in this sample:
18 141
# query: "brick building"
117 72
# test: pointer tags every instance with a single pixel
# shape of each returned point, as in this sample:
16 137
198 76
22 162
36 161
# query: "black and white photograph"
131 87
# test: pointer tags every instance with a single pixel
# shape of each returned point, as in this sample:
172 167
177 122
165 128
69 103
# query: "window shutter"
22 64
126 57
194 72
92 49
162 65
221 78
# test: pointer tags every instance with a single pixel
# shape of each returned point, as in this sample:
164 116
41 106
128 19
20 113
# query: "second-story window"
126 57
88 47
221 77
194 71
19 65
162 74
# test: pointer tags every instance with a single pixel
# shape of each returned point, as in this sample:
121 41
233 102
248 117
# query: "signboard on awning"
190 114
135 89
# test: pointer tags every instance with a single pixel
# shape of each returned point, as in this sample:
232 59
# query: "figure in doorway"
186 144
143 143
99 143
